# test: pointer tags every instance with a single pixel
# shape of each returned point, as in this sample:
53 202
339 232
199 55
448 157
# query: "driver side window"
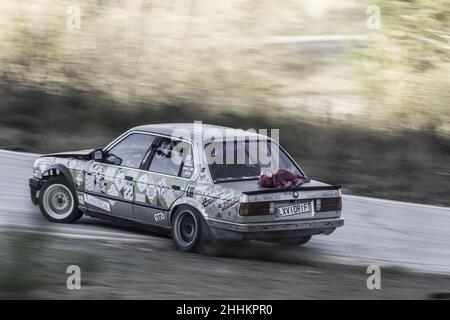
131 150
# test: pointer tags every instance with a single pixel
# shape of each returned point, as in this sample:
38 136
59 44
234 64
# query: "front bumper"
35 185
276 230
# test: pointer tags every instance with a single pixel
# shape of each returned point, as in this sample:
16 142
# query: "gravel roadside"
33 266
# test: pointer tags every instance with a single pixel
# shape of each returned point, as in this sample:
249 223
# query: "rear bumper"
276 230
35 186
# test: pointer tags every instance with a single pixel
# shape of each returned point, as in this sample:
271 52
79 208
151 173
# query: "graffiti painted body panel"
155 195
230 209
111 189
217 202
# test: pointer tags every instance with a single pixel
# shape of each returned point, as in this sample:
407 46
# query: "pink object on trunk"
282 179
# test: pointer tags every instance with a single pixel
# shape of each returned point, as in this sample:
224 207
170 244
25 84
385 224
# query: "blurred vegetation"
374 118
17 279
406 66
32 268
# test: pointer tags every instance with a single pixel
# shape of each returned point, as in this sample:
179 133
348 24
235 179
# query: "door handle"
128 178
175 187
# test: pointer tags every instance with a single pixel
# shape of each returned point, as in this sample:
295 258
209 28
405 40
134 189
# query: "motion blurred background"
358 104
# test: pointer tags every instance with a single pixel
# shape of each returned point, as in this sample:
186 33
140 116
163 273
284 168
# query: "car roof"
169 128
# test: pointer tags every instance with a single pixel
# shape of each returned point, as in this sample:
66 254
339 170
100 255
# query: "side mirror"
113 159
98 155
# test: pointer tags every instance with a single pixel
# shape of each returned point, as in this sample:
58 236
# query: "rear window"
246 160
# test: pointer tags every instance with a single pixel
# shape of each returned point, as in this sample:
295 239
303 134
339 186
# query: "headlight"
37 170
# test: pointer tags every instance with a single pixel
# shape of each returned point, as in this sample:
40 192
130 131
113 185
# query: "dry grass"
178 51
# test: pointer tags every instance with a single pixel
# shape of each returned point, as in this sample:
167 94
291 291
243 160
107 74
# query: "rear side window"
132 150
173 158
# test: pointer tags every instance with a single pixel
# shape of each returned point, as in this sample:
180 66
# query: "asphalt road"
387 233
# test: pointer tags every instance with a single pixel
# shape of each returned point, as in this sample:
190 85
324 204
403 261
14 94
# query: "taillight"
328 204
254 209
318 205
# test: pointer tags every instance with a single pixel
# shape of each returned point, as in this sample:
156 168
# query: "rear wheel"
58 202
190 233
294 241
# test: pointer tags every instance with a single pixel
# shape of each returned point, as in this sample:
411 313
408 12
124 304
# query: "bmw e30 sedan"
200 187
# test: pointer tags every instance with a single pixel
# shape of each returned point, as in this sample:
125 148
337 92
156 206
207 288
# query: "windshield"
246 160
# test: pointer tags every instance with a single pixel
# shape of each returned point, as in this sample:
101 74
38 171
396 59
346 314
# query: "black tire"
190 233
294 241
58 202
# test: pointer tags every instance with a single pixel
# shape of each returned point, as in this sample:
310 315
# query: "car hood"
72 154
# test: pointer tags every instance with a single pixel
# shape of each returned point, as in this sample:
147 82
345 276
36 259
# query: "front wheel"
190 233
57 201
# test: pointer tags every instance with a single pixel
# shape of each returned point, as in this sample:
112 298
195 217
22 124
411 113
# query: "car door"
170 167
109 185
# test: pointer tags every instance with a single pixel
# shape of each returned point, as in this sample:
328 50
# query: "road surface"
387 233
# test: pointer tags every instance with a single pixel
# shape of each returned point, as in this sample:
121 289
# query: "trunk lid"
312 200
254 192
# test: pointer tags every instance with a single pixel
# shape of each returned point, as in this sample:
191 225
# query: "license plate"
294 209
